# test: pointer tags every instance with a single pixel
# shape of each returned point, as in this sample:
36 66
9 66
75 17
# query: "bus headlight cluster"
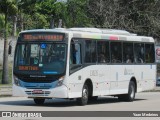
16 81
60 81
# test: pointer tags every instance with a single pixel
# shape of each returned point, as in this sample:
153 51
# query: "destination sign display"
42 37
30 68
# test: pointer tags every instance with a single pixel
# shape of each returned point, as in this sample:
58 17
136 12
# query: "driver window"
75 53
34 54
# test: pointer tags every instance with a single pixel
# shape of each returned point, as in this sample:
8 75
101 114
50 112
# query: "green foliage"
1 22
73 13
51 10
26 6
8 6
35 21
138 16
76 14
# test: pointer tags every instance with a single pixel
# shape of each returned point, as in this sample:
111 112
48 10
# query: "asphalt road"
146 101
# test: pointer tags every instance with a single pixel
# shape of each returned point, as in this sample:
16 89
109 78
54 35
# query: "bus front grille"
42 80
42 93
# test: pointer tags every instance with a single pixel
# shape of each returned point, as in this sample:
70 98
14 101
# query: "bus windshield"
40 58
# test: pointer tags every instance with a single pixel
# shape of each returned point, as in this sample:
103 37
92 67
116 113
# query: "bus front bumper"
57 92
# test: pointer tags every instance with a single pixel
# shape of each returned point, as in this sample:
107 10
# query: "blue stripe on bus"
50 72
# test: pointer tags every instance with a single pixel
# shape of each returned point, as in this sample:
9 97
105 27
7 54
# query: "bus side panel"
138 76
97 74
118 84
91 73
145 76
127 73
100 77
103 80
148 77
75 84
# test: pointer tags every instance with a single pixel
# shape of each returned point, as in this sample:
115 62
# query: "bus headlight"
60 81
16 81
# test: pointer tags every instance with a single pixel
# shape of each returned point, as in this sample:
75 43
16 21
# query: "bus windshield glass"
40 58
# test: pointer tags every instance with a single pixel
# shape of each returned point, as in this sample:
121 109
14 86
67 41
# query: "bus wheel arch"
87 91
135 82
90 88
132 88
89 83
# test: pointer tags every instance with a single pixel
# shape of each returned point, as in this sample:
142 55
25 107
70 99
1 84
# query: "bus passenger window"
128 56
103 51
128 59
116 52
90 51
139 52
149 53
101 58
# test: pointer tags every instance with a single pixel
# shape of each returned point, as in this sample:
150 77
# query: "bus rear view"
40 65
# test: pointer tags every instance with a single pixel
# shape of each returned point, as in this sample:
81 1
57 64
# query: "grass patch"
5 96
6 85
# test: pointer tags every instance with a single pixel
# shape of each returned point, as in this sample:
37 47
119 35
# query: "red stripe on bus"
113 38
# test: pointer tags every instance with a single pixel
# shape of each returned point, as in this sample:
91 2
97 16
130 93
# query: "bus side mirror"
10 50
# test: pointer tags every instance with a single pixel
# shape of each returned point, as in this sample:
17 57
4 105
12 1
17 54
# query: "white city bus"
82 63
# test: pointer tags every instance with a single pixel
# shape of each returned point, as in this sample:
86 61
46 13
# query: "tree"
137 16
1 24
52 10
7 8
25 8
141 16
28 16
76 14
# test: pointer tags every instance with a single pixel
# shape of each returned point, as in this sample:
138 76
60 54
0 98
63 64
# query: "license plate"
37 92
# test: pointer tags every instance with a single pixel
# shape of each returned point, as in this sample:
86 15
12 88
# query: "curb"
5 91
3 87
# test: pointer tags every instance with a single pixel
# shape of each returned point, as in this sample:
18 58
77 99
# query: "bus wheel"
39 101
131 93
84 99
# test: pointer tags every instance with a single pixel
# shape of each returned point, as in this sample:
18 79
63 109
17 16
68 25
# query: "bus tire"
39 101
84 99
131 93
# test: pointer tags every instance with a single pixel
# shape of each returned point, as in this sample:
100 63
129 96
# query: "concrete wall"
10 57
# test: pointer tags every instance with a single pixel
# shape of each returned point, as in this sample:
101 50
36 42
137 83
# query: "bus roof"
88 30
96 33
